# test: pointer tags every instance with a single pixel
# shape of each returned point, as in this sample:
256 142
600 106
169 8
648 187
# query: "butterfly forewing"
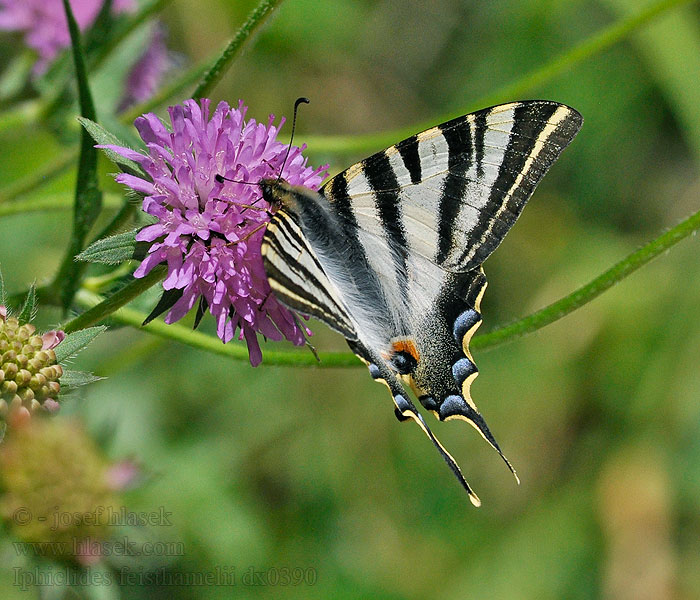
461 184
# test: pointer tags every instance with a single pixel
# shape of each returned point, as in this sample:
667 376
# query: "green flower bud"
28 371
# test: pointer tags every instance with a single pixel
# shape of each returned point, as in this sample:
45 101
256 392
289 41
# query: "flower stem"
88 196
201 341
591 290
254 21
100 309
562 63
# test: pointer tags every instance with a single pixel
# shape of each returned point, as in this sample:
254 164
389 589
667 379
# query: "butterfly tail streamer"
405 410
466 413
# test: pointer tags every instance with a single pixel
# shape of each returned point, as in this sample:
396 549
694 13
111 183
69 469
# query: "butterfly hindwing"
388 252
297 277
444 369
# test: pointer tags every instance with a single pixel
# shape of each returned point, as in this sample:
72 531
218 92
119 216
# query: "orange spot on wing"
406 345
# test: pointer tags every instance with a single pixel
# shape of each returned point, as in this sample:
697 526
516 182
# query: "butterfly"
389 252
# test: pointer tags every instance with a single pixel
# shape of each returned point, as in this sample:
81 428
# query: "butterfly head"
281 194
276 192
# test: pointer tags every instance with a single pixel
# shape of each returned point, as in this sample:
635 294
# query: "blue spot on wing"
462 369
453 405
428 402
463 323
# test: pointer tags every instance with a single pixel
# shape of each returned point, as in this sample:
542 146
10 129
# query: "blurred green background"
308 468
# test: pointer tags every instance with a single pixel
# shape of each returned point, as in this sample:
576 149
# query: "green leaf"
254 21
16 74
88 198
2 290
75 342
104 137
28 311
74 379
111 250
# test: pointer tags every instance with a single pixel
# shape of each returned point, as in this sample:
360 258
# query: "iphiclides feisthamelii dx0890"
389 252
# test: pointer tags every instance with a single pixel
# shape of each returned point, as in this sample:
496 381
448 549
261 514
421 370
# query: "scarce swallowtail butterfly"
389 252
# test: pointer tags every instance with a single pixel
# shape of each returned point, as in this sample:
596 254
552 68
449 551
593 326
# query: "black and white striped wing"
451 193
297 277
389 251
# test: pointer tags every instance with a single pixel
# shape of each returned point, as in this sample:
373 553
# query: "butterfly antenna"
221 179
294 124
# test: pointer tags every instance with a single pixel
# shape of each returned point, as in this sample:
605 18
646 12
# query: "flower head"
55 487
29 372
209 232
44 24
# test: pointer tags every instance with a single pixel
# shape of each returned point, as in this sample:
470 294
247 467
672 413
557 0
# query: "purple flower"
44 24
209 233
149 71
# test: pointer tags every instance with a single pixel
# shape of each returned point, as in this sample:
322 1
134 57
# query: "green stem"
254 21
52 202
513 91
100 311
591 290
201 341
88 197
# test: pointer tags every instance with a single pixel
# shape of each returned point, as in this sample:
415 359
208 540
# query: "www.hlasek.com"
226 575
91 547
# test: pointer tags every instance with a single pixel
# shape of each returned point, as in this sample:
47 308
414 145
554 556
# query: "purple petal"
135 183
51 339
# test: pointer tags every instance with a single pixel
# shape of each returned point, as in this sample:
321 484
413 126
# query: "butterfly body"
389 252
